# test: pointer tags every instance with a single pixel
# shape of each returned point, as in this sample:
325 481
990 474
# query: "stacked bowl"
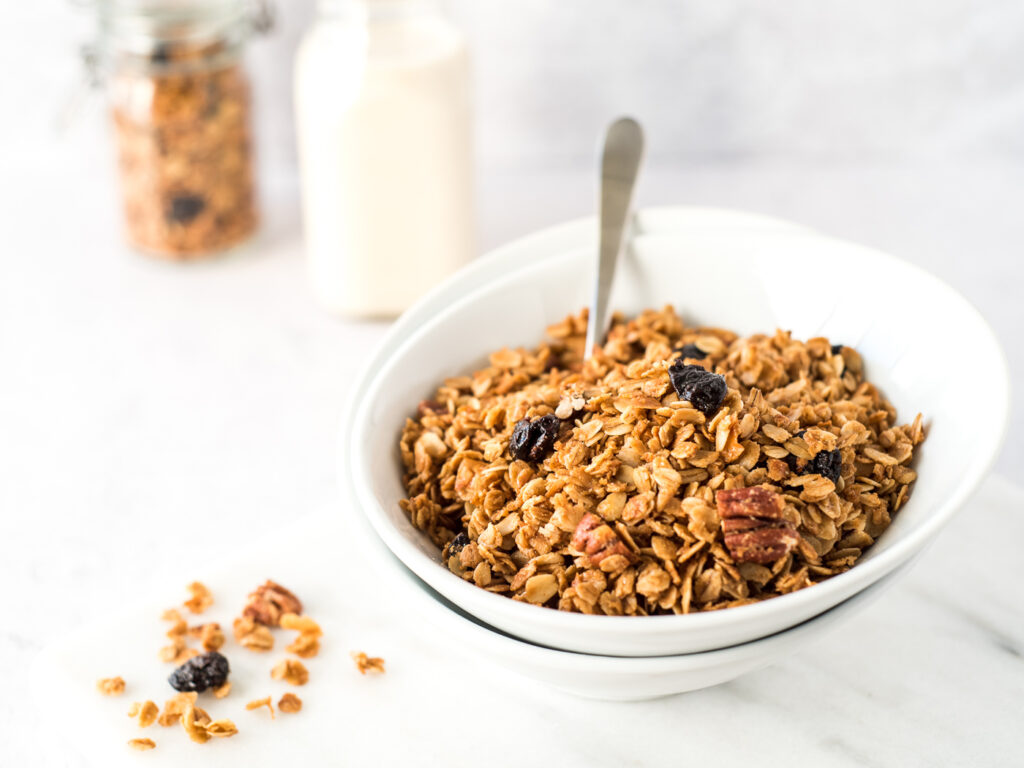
739 271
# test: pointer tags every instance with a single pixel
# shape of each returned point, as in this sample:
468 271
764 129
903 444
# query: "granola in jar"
180 104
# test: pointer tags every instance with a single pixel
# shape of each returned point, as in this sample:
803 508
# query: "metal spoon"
620 164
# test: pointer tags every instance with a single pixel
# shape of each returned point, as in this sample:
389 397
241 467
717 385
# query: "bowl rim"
869 571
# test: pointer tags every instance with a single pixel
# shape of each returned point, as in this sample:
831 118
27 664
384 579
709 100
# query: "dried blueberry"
209 670
837 348
704 390
184 208
533 440
457 544
691 351
825 463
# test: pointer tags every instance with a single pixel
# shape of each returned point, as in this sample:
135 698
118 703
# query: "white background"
152 415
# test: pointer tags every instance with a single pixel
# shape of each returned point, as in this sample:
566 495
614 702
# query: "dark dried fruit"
533 440
691 351
184 208
456 545
704 390
837 348
208 670
825 463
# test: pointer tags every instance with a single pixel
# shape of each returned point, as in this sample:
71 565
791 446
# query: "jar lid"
144 26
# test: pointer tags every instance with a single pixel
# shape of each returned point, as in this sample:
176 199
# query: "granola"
366 663
185 150
635 504
110 686
291 671
265 702
290 703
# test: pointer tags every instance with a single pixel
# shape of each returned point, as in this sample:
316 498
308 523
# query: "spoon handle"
620 164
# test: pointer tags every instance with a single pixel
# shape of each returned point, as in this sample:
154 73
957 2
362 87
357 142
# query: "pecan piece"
754 526
269 603
596 539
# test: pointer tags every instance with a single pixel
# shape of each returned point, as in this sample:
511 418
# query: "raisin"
691 351
184 208
837 348
825 463
456 545
704 390
209 670
533 440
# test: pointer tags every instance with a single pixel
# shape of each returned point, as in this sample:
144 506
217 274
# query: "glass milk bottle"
385 152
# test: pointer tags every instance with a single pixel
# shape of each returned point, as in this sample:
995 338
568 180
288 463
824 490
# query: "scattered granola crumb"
366 663
142 745
221 729
251 635
222 691
110 686
290 703
178 627
146 712
195 720
175 706
305 645
303 624
210 635
269 602
257 703
201 598
177 652
291 671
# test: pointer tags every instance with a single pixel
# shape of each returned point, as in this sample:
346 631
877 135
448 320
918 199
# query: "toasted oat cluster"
678 469
270 605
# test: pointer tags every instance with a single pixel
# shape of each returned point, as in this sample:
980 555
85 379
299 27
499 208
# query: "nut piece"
754 527
257 703
596 539
290 703
201 598
251 635
110 686
366 663
291 671
142 744
269 603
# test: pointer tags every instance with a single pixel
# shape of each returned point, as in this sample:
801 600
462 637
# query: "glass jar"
383 121
179 96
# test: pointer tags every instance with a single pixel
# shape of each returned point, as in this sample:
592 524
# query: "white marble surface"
153 415
898 683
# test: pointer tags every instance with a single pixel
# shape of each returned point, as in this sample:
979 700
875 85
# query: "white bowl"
903 321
